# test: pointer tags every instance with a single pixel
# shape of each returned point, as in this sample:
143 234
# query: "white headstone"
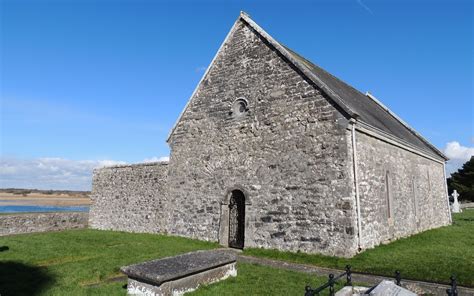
388 288
455 208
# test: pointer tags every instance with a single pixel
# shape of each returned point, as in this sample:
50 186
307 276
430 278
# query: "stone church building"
272 151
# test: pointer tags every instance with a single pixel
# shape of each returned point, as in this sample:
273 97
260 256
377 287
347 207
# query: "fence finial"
398 277
453 291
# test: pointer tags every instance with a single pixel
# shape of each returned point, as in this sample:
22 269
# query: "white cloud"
156 159
454 150
53 172
457 155
49 172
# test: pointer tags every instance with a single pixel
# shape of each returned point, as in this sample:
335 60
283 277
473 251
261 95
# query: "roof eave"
406 125
374 131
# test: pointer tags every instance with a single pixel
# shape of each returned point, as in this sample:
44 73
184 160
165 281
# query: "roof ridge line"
243 13
282 49
324 70
404 123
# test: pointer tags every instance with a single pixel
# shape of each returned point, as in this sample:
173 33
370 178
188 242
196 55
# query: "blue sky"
92 82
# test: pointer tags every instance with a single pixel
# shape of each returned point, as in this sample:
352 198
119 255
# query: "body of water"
38 209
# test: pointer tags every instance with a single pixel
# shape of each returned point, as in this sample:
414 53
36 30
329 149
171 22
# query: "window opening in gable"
239 108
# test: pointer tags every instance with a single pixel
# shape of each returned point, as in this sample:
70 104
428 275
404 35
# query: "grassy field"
65 263
82 262
262 280
431 256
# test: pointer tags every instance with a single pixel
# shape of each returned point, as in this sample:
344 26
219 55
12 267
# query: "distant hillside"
24 192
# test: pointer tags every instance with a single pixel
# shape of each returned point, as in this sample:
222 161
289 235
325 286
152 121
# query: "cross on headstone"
456 208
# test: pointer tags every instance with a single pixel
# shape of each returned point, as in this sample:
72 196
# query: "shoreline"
7 199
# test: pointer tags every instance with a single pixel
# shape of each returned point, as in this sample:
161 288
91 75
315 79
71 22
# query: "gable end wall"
288 153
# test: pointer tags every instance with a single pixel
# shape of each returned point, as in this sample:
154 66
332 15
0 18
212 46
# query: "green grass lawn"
64 263
262 280
82 262
431 256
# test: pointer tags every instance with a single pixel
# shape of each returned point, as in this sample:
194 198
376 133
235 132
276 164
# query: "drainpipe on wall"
446 192
356 183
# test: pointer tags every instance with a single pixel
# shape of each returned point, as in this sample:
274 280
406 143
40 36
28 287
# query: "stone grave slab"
384 288
179 274
351 291
389 288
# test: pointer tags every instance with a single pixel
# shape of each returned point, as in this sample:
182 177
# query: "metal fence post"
348 275
454 286
331 284
308 291
398 277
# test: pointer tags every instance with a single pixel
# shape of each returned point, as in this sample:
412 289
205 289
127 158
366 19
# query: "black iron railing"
330 283
452 291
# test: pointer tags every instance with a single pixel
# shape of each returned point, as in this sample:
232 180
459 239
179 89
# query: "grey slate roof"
367 109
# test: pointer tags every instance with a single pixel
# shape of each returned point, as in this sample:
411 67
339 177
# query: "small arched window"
239 108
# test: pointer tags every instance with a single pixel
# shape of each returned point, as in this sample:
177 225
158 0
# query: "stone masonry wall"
41 222
129 198
416 191
287 153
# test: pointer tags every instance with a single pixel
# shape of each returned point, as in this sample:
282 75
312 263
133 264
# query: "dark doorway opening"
237 219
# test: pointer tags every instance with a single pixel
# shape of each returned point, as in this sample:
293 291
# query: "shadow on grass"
17 278
468 219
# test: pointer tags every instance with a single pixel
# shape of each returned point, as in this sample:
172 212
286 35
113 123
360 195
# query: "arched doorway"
237 219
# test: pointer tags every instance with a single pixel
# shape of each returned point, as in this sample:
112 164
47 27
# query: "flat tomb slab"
384 288
180 274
